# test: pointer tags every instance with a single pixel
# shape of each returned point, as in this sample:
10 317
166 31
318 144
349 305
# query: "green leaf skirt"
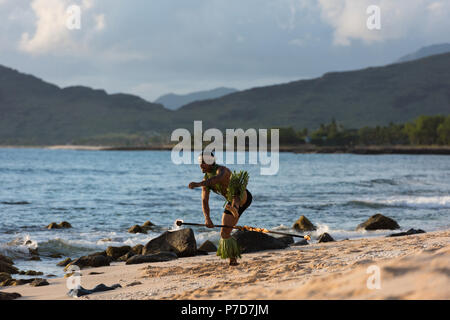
228 248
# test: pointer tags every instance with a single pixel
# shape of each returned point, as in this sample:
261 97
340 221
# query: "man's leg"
225 233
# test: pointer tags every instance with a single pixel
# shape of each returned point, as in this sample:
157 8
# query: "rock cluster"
379 222
303 224
141 229
61 225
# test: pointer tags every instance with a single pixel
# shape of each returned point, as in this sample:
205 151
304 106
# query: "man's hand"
209 223
193 185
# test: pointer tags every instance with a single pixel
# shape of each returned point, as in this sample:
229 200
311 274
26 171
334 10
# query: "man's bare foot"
233 262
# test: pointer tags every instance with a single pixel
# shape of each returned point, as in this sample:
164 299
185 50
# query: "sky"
154 47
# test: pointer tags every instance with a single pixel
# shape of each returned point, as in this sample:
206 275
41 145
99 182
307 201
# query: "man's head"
206 161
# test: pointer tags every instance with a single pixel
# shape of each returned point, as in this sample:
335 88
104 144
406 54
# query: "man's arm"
211 181
205 207
214 180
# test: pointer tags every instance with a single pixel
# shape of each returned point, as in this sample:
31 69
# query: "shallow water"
103 193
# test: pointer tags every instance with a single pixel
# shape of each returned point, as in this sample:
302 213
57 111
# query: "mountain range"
426 52
175 101
34 112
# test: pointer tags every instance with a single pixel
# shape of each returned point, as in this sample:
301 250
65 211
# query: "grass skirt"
228 248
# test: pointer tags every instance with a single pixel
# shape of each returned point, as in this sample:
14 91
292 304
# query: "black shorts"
244 206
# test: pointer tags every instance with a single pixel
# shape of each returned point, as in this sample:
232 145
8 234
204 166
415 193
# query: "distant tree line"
425 130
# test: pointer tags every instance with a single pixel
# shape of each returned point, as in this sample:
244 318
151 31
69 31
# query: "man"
233 187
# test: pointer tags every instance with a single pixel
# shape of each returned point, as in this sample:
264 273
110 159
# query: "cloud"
399 18
51 31
288 12
306 40
100 22
155 47
51 34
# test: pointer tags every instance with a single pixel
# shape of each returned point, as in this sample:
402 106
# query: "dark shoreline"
339 149
301 149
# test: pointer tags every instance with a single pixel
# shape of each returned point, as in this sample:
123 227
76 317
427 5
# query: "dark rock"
61 225
6 259
379 222
142 229
33 252
8 268
137 249
52 225
99 253
137 229
147 225
181 242
21 282
4 276
157 257
201 253
65 225
7 282
99 288
251 241
407 233
286 239
35 258
303 224
39 283
50 276
126 256
134 283
9 296
17 282
93 273
302 242
208 246
56 256
117 252
64 263
33 273
90 261
325 237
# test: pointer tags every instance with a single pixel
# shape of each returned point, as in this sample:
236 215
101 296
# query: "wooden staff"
243 228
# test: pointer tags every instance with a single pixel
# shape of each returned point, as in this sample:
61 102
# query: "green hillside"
374 96
35 112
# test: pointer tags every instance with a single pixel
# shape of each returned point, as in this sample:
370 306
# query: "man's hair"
208 154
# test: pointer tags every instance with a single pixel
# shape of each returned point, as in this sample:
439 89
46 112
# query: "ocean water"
103 193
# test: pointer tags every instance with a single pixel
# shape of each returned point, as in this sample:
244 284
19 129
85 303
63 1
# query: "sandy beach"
408 267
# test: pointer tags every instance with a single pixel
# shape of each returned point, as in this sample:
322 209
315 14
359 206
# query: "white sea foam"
435 202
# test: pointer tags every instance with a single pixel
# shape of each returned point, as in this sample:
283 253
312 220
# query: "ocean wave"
66 247
15 203
19 247
384 181
367 204
319 207
420 202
